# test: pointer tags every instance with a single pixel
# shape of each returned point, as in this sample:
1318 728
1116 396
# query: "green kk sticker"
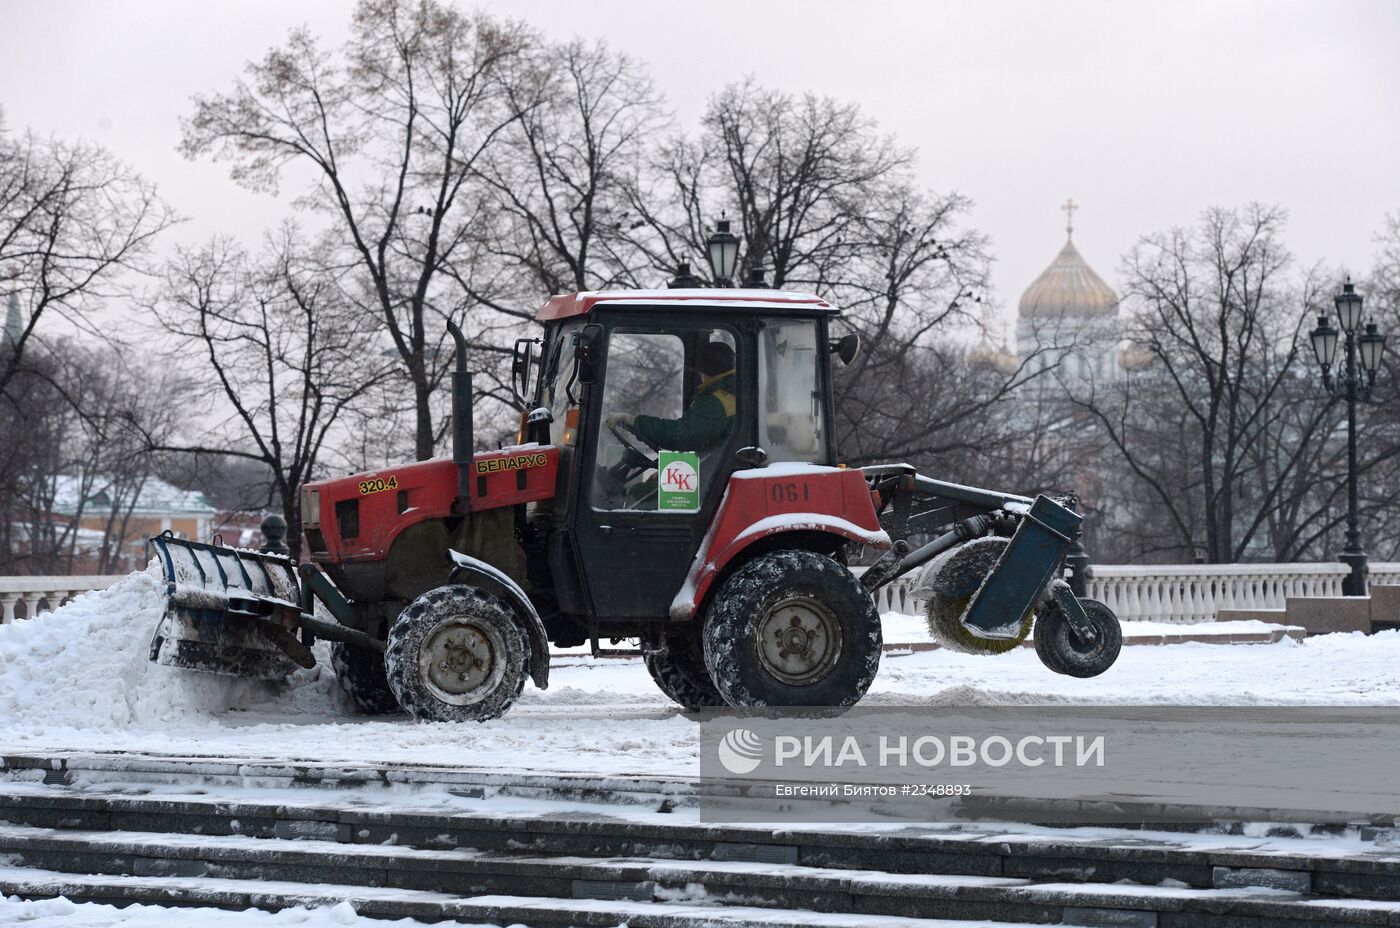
679 486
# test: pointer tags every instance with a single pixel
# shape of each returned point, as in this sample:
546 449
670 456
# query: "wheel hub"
460 661
799 640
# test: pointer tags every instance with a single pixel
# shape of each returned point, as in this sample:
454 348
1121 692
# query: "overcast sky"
1143 113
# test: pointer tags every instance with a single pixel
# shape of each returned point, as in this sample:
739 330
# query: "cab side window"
559 385
792 414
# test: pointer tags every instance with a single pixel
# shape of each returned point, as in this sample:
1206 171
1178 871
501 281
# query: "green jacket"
704 423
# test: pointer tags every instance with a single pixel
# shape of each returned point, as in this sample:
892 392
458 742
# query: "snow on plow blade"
227 611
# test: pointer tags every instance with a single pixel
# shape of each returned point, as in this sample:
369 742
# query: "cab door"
638 525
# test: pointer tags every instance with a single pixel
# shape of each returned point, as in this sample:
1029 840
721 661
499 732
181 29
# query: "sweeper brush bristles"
948 585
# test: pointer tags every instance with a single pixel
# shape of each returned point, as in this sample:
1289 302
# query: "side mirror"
587 344
847 347
752 456
521 368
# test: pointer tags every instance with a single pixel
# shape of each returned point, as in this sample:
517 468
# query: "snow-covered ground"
64 914
78 680
899 628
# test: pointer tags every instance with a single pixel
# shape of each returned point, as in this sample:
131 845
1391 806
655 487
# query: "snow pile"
86 665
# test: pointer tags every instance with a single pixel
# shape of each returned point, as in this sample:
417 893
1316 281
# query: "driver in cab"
706 420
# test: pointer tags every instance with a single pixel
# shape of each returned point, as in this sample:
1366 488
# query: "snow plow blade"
228 611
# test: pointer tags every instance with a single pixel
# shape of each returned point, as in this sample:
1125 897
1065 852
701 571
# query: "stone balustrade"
26 597
1180 593
1197 592
1384 573
1184 593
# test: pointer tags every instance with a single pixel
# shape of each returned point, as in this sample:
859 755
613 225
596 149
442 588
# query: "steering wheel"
635 443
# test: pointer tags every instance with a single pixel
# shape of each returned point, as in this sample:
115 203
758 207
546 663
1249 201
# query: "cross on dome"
1069 207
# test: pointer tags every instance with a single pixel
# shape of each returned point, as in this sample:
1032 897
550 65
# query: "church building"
1069 317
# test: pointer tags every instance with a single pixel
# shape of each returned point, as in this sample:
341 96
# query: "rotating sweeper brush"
991 577
947 587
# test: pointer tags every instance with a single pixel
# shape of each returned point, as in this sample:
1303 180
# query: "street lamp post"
722 250
1363 360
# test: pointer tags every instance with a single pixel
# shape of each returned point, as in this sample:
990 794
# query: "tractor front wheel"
456 654
792 628
680 672
360 673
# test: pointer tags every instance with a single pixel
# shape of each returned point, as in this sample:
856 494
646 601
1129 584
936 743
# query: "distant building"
107 520
1069 317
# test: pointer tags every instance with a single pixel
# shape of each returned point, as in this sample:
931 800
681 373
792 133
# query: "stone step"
530 911
1251 899
950 850
458 871
138 772
81 767
696 904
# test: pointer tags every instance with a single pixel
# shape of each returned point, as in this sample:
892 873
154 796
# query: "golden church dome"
999 359
1068 287
1134 357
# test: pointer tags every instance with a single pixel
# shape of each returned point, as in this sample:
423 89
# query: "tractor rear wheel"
680 672
360 673
456 654
792 628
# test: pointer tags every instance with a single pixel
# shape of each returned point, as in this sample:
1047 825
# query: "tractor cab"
655 400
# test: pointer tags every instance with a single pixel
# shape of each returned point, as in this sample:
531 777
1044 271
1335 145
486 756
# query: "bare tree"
73 222
797 172
1380 491
73 456
801 171
282 350
394 128
34 420
1216 428
911 278
571 165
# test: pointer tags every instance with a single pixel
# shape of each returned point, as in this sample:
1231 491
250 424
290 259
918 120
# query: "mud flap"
225 611
1024 572
520 604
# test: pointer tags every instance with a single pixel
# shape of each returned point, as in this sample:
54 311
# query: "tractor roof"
569 305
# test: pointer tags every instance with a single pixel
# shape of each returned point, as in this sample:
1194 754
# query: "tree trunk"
423 433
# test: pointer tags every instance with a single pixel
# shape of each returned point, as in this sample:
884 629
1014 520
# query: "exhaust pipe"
461 421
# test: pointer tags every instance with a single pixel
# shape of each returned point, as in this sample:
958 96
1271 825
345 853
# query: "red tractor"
676 482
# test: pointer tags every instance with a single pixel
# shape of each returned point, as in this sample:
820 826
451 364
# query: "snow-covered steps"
216 772
433 907
394 882
566 851
367 782
1342 867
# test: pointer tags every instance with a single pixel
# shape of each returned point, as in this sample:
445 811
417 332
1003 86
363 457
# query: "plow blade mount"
1024 572
228 611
